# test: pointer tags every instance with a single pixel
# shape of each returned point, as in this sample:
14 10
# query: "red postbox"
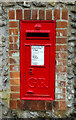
37 59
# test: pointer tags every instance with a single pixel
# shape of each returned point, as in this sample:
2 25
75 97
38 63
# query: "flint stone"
72 91
74 18
52 3
69 97
72 39
68 71
25 115
69 63
74 104
68 88
73 25
1 11
5 80
2 23
69 105
73 32
75 79
38 4
3 39
74 61
9 4
73 9
34 114
70 49
74 86
71 56
70 77
24 4
5 113
74 70
75 49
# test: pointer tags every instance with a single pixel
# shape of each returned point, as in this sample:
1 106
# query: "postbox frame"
52 53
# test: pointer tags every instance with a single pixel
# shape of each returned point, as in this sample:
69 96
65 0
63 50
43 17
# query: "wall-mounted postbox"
37 59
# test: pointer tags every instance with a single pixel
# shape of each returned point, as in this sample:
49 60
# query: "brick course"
48 14
61 24
34 14
13 104
19 15
41 14
14 82
27 14
11 14
65 14
13 39
56 14
13 24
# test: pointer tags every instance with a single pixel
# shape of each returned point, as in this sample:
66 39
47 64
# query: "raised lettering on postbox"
37 82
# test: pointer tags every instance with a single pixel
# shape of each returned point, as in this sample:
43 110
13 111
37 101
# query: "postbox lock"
31 70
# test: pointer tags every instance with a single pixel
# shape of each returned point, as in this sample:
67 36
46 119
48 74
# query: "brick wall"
61 17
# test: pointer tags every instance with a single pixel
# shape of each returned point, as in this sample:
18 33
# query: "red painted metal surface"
37 59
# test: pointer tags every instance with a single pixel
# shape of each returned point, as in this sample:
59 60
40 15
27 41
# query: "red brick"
19 14
60 96
13 47
13 104
14 81
60 90
55 105
48 105
41 14
14 74
65 14
61 62
13 61
13 39
11 14
61 33
41 105
48 14
15 88
30 105
61 55
61 48
14 68
27 14
34 14
19 104
61 83
14 53
61 24
61 76
62 105
14 95
13 31
13 24
61 40
56 14
60 69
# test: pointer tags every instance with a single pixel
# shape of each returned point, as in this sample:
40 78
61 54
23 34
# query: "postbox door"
37 71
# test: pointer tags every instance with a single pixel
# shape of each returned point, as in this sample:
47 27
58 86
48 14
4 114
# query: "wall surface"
65 16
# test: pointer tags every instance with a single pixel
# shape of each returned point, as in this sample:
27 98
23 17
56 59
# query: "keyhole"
30 70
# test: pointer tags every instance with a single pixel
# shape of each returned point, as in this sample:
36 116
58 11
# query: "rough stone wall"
5 69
